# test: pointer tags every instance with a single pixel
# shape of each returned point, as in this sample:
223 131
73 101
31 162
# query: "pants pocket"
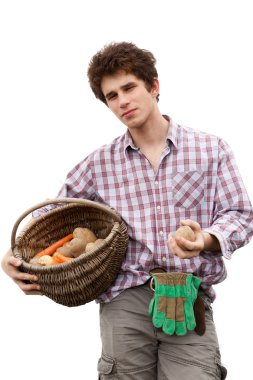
106 368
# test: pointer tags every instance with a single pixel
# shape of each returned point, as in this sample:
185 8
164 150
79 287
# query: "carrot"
52 248
59 258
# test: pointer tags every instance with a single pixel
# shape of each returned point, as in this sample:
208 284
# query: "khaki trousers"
133 349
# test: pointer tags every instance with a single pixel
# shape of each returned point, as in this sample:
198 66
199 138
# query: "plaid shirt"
197 179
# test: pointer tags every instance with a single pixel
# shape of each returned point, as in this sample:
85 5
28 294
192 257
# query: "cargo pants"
133 349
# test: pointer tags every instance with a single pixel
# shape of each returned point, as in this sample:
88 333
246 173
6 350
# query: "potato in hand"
186 232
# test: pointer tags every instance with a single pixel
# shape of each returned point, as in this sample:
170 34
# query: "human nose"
123 100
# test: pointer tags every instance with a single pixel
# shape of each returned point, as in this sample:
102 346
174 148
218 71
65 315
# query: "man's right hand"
25 281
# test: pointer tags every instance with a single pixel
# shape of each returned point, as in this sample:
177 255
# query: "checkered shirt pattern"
197 179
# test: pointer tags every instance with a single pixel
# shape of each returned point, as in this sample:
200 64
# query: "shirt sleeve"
233 215
79 183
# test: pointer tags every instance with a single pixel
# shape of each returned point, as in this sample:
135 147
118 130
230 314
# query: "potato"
35 261
89 247
93 245
42 260
77 246
85 234
46 260
65 250
67 244
185 232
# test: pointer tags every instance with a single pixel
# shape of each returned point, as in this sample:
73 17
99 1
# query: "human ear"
155 87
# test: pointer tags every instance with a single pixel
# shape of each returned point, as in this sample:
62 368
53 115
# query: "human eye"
111 96
130 87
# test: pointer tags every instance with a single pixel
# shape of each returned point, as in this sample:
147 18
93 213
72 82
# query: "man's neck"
152 135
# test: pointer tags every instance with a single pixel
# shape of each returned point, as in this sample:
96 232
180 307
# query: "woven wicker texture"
89 275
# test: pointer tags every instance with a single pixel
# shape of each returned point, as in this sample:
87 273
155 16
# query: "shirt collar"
171 136
128 142
173 131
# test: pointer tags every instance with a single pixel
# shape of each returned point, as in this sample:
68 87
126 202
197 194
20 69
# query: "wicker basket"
89 275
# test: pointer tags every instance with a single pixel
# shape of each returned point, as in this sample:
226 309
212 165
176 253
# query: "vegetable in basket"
82 240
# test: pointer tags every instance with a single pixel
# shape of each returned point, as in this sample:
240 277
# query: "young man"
157 176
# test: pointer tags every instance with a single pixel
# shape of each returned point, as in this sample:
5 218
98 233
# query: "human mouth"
129 113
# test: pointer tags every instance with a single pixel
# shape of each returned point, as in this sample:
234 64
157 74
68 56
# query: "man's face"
129 99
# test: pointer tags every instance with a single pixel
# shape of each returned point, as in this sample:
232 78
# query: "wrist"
211 243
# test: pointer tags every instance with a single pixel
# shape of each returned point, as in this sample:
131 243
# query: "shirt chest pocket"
188 189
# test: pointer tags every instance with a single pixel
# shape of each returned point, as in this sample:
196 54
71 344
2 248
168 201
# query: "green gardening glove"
171 307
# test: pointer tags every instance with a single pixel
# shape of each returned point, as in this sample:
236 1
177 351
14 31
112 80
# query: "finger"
21 276
29 288
185 244
179 252
172 243
191 223
17 275
176 250
188 245
33 293
14 261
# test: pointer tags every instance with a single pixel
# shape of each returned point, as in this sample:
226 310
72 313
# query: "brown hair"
123 56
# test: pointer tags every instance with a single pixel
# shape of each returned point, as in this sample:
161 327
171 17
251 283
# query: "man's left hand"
186 249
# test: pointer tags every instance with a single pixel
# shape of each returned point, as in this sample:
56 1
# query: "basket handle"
110 211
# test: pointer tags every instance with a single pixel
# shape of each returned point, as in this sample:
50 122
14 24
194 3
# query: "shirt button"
164 259
158 207
161 233
156 182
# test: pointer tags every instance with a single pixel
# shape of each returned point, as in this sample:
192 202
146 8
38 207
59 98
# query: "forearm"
233 230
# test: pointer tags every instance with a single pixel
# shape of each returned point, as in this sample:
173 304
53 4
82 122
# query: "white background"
50 120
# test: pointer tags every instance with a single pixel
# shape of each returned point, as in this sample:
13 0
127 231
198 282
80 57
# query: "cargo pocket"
222 372
106 368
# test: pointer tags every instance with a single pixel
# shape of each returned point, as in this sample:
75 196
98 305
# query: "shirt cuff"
226 252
